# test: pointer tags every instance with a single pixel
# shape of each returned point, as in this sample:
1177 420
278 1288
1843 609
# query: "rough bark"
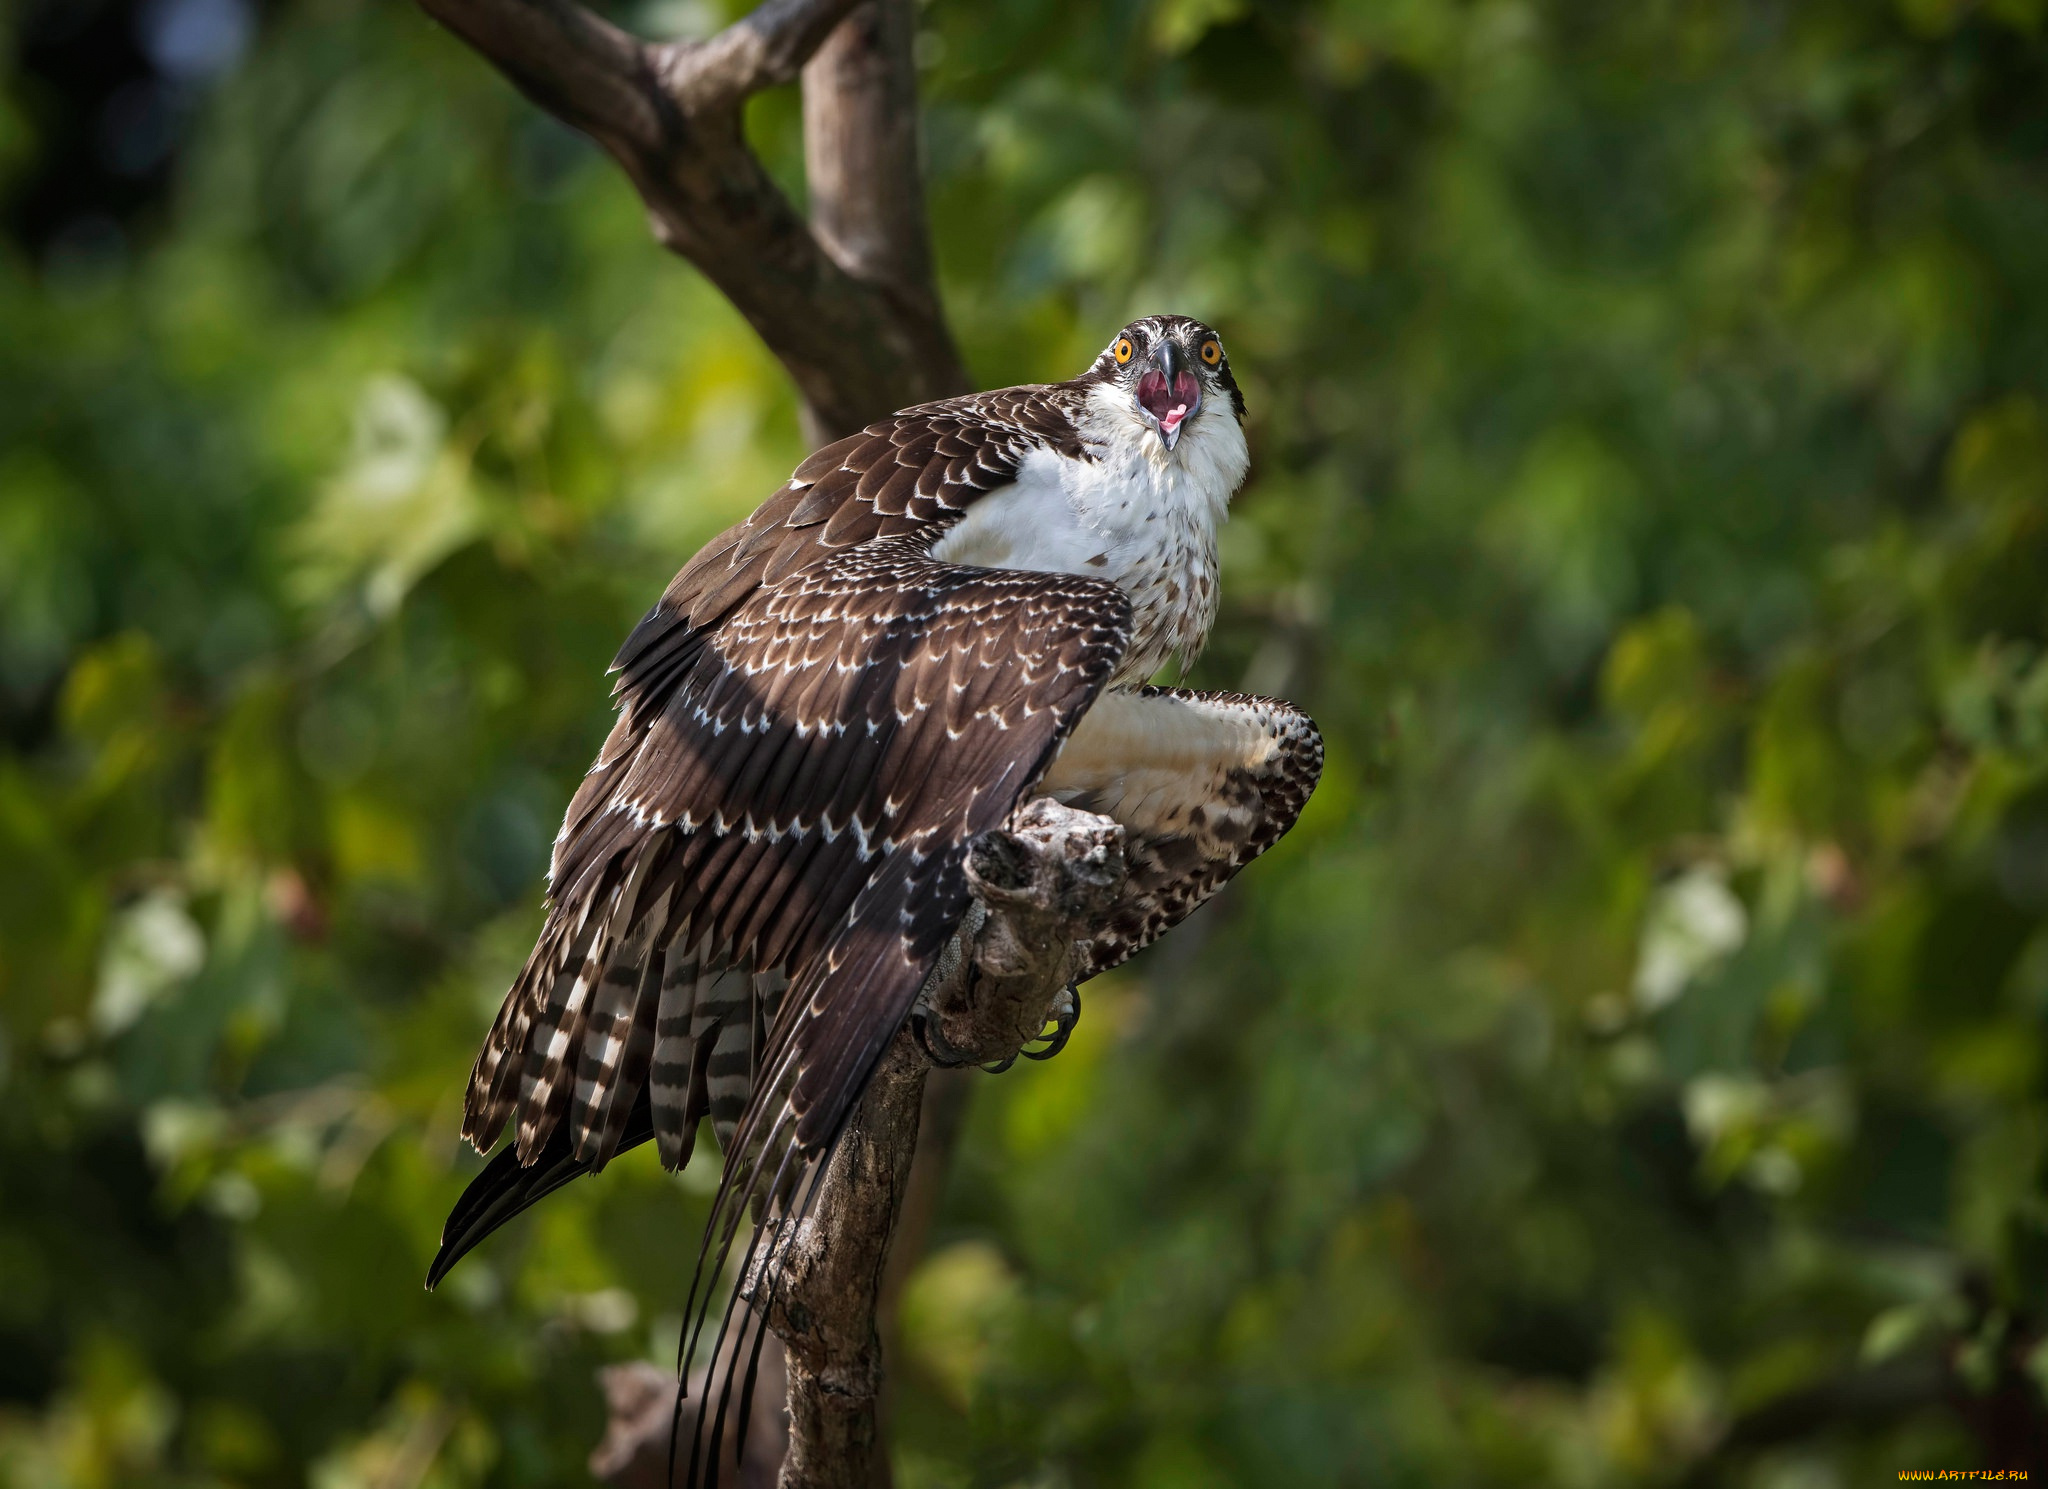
850 310
831 1283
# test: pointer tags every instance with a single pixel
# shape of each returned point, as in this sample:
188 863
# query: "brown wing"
1203 783
813 721
921 468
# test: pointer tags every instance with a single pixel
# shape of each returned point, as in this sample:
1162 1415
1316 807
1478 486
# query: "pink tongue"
1168 405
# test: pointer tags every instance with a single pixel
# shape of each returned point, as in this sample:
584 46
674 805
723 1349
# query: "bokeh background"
1630 1072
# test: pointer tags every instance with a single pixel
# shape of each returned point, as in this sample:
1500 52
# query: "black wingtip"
494 1196
506 1187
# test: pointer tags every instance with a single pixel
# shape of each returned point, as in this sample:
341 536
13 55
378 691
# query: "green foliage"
1644 1026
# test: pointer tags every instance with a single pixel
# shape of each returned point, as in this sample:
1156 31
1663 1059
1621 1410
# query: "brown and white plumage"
935 620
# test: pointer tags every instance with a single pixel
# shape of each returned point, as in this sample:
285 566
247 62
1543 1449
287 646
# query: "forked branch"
851 312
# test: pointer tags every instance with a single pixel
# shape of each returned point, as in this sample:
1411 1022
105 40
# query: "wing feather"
814 720
1202 782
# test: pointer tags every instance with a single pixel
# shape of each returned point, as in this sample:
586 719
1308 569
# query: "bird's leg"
955 969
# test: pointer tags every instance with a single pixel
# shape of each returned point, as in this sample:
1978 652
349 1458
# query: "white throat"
1131 511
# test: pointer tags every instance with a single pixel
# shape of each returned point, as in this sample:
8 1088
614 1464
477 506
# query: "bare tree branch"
576 65
859 341
865 178
766 48
1040 886
831 1283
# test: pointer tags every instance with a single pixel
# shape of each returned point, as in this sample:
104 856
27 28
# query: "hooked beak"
1169 394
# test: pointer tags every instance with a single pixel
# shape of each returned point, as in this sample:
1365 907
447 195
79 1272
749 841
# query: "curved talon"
1066 1012
936 1049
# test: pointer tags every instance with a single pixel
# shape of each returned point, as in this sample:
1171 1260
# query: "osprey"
936 620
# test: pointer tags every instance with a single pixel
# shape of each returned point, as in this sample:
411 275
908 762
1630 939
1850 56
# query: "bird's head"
1174 371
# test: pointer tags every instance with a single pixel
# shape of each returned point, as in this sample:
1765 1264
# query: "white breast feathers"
1128 511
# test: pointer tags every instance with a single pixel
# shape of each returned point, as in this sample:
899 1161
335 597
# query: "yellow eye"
1212 353
1123 349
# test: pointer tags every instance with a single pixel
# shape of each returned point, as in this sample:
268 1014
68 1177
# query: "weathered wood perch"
1040 886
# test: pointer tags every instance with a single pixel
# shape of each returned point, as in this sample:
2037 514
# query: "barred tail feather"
675 1074
631 1085
617 1038
557 1036
499 1077
740 1046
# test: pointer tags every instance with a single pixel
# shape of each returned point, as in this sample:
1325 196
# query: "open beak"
1169 393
